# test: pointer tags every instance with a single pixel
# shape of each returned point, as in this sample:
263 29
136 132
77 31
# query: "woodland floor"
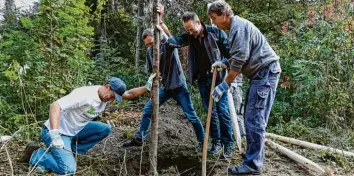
176 152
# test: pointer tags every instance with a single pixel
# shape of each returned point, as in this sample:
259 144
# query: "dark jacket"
216 45
170 66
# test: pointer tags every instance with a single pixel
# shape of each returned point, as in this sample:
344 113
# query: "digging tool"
207 128
235 126
234 119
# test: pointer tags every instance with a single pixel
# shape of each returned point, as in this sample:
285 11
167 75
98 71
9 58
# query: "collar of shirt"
96 97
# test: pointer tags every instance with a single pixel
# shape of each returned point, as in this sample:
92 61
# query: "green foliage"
43 58
316 59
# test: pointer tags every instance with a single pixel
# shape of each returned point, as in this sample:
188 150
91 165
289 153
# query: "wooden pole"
207 128
155 94
235 126
296 157
309 145
234 119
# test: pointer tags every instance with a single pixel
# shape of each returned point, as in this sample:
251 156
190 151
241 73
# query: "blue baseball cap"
118 86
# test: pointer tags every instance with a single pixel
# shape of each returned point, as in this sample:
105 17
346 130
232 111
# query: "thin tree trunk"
155 93
138 33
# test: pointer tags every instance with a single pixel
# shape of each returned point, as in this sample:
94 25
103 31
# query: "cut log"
296 157
309 145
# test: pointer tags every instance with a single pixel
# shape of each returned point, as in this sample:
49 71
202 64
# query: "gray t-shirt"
170 66
249 49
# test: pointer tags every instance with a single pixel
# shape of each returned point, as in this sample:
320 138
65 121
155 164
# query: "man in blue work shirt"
174 86
252 55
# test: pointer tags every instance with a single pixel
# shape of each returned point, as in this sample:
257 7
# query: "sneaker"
242 170
228 152
133 142
30 148
215 149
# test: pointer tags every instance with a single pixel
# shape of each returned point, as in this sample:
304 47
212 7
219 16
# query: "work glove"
148 84
219 65
57 142
220 90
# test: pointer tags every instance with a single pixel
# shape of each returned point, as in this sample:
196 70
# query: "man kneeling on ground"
70 128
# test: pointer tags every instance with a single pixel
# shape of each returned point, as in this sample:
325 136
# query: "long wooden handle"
207 128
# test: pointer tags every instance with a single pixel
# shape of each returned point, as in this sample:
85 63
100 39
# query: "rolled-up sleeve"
239 49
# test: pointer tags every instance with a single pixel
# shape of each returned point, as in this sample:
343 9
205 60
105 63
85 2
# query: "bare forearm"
165 29
54 115
134 93
231 76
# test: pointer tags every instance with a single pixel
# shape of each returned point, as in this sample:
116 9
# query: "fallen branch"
309 145
10 162
296 157
141 157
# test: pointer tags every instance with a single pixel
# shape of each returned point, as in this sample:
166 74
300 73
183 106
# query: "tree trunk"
10 13
138 33
155 94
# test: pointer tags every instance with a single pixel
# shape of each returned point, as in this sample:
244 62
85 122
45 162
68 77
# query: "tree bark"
155 93
138 33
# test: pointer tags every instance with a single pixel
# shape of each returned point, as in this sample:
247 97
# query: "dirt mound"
176 152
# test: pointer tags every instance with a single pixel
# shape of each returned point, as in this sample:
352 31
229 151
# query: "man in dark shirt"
208 45
174 86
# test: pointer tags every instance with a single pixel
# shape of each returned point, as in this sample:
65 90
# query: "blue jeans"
182 96
62 161
220 123
260 98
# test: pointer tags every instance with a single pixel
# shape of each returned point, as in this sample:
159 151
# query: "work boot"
30 148
133 142
228 152
242 170
215 149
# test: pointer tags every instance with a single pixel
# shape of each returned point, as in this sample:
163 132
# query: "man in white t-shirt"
70 128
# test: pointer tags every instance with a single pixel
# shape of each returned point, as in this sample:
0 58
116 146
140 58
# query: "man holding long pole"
252 55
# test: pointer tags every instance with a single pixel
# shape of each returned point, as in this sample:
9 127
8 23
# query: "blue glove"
219 91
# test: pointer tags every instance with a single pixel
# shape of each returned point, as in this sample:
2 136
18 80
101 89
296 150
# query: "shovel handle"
207 128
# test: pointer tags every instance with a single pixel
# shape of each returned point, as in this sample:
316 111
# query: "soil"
176 152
